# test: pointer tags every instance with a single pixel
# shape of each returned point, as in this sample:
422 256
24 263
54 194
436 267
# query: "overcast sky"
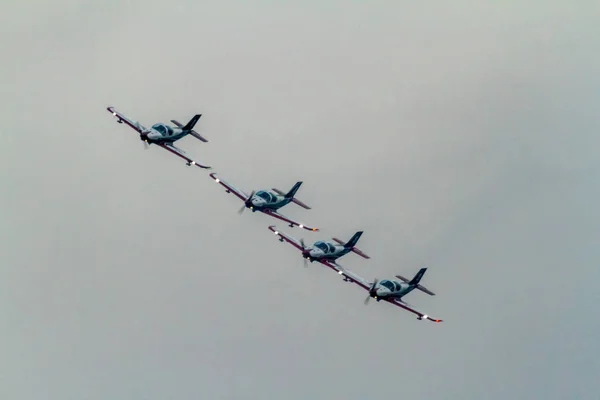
461 136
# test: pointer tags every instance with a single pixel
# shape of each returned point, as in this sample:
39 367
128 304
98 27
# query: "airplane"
163 135
266 201
391 291
324 252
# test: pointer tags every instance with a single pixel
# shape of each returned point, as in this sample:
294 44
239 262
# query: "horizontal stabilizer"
338 241
293 200
360 253
301 204
192 132
354 249
419 286
198 136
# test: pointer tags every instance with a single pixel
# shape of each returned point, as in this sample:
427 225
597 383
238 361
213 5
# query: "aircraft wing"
410 308
122 118
283 236
275 214
352 277
178 152
230 188
331 264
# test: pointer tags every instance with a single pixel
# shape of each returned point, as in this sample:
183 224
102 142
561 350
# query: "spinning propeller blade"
247 203
371 291
144 137
303 252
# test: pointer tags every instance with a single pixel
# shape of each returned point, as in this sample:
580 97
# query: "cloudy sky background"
459 136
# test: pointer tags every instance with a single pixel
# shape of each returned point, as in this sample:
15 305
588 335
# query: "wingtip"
437 321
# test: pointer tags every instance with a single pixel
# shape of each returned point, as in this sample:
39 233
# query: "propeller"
247 203
305 253
372 291
144 138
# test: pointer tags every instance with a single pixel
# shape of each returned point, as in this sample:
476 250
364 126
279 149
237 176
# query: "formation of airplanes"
270 201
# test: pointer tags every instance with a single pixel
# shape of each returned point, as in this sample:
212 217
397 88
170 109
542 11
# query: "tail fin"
293 190
290 195
415 281
351 244
190 125
354 239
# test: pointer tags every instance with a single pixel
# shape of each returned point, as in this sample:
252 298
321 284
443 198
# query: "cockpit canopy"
326 247
266 196
392 286
164 130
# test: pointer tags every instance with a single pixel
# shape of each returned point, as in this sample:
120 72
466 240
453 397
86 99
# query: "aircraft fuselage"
393 289
268 200
327 251
162 133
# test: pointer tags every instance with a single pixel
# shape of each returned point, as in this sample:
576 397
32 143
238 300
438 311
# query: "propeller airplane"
267 201
324 252
391 291
164 135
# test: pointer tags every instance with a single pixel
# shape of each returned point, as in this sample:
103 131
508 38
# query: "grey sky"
463 137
